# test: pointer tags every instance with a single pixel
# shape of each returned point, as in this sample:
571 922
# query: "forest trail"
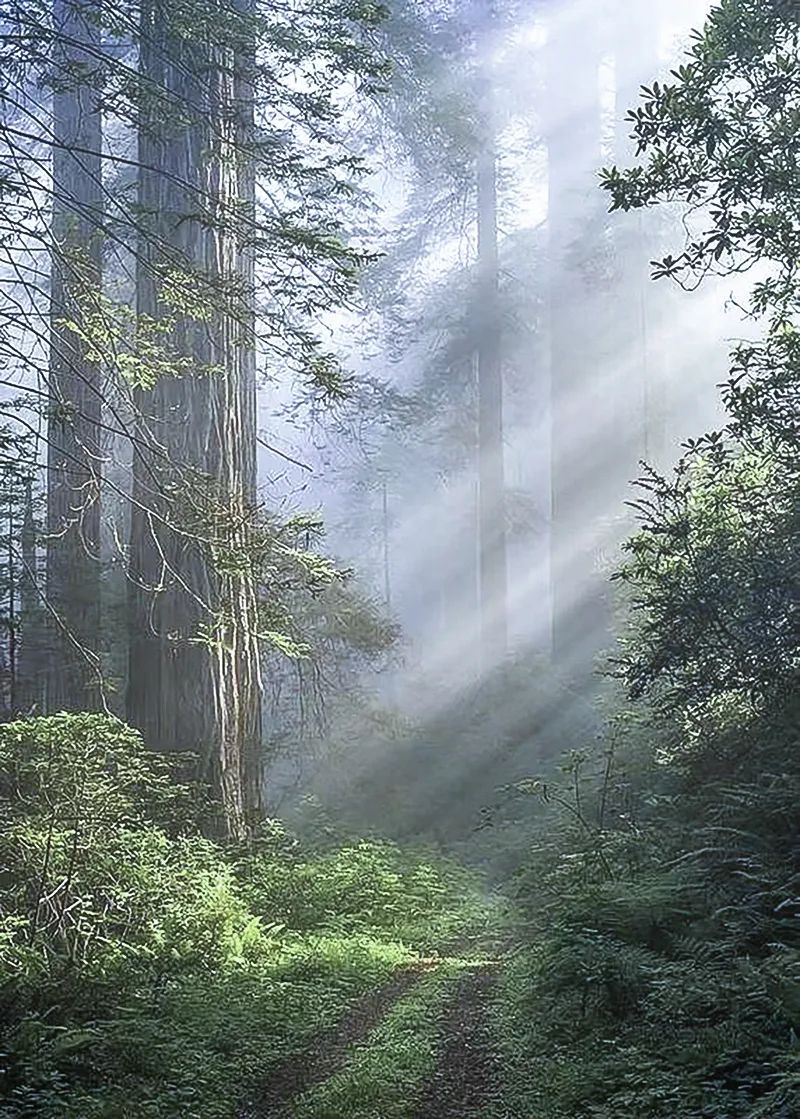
463 1074
329 1049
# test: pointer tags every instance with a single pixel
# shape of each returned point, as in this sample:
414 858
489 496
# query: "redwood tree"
75 388
573 134
194 648
491 467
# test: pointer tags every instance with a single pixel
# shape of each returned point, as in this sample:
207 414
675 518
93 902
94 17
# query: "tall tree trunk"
74 452
385 546
491 466
638 387
194 680
12 615
579 456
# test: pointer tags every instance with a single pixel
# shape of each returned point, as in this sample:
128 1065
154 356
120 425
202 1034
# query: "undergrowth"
147 971
385 1075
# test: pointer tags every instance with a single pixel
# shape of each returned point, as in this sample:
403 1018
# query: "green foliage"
366 886
85 849
147 971
712 573
712 581
722 135
663 970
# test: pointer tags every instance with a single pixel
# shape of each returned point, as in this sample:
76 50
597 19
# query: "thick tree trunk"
580 447
194 681
74 453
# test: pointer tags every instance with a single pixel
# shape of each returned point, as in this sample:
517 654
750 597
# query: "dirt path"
329 1049
465 1076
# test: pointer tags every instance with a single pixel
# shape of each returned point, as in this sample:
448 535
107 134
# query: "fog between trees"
398 559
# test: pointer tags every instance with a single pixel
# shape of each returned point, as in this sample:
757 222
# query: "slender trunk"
491 467
387 569
30 665
638 388
194 680
12 612
74 453
579 446
238 683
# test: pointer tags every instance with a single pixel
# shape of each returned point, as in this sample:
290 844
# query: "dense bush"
663 981
364 885
662 893
662 976
148 971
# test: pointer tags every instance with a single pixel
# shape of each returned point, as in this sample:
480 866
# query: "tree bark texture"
194 680
75 390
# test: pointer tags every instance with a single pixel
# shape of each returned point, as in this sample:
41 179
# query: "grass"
386 1074
147 972
198 1047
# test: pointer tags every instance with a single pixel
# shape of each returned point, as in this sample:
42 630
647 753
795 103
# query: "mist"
604 373
399 535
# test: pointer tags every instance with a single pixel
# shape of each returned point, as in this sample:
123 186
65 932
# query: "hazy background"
601 368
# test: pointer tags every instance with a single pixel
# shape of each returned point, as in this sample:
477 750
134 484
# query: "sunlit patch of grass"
205 1042
322 952
201 1042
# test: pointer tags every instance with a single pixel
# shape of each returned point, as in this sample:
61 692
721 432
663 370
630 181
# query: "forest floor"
325 978
417 1047
465 1078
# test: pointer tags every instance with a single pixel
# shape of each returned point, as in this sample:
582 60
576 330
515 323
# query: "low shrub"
148 971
